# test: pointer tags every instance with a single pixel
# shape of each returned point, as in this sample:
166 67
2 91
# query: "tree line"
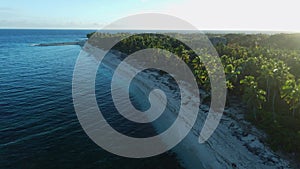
263 70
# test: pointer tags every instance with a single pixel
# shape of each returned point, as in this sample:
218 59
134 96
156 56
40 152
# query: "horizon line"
97 29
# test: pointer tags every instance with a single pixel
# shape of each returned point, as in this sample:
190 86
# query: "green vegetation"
263 70
269 83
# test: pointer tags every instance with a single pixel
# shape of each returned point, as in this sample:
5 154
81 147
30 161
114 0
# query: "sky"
204 14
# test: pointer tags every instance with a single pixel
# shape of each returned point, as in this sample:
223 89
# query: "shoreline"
79 43
235 144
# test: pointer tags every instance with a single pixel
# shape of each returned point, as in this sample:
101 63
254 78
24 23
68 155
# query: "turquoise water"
38 124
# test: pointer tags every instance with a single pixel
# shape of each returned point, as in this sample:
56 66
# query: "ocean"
38 125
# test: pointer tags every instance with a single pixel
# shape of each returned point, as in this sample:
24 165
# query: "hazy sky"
204 14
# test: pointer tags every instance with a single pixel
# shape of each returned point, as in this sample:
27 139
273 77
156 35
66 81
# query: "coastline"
79 43
235 144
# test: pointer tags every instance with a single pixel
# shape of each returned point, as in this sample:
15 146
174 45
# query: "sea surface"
38 125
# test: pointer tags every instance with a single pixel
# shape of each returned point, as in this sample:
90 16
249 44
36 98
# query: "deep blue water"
38 124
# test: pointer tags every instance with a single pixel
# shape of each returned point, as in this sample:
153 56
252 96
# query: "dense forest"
263 70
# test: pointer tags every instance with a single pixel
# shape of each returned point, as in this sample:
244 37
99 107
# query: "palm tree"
253 96
291 94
